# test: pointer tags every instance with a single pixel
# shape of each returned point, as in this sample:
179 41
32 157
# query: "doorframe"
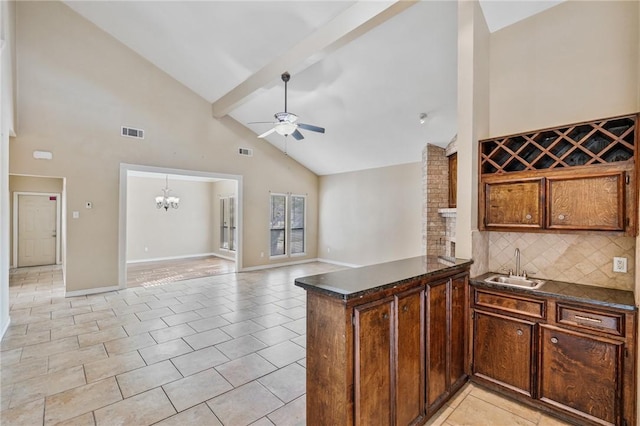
122 228
58 223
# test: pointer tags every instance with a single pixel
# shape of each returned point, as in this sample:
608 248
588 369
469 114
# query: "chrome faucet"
517 274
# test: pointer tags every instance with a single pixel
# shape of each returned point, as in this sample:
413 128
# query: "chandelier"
165 200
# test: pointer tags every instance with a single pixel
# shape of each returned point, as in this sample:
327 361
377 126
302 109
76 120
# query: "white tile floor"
222 350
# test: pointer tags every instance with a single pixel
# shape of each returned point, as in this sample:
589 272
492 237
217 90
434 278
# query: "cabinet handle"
528 217
554 340
519 332
580 317
561 217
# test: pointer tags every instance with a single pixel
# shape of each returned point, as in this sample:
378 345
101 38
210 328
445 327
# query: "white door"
36 230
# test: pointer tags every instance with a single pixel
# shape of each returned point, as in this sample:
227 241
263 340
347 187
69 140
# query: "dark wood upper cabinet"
587 202
586 175
516 204
453 180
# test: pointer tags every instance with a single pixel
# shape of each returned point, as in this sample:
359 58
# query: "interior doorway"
37 225
155 240
37 233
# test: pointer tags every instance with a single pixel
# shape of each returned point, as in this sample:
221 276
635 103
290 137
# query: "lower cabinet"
410 360
575 360
446 322
581 373
374 362
387 360
503 351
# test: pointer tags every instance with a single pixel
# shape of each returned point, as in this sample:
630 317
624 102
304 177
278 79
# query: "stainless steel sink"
514 281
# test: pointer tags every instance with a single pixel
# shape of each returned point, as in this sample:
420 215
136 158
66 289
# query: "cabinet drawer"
511 303
592 319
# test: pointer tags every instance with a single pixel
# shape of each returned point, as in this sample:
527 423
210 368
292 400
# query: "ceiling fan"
286 122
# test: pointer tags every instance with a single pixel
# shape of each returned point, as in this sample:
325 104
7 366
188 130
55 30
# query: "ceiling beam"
349 25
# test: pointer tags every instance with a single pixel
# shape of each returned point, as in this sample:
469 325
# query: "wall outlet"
620 264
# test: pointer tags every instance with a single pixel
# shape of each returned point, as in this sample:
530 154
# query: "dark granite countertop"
351 283
608 297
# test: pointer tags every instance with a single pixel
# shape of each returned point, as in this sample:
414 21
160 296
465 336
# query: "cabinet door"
581 374
503 351
373 363
410 357
513 204
596 202
437 337
457 330
453 180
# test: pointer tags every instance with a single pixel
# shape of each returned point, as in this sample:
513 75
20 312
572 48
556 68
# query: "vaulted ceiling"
364 70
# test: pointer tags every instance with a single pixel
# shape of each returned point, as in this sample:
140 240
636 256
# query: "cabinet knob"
528 217
405 308
561 217
385 316
519 332
554 340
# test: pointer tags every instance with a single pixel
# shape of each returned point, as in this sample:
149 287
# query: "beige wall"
573 62
154 233
7 121
473 124
223 188
77 86
371 216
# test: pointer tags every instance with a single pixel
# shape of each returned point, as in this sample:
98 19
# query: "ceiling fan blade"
310 127
261 122
267 133
297 135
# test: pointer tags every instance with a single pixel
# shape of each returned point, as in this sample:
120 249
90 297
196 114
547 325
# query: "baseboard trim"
335 262
88 291
187 256
5 328
276 265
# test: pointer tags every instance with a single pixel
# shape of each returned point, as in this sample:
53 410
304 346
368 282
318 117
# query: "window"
228 223
287 224
296 224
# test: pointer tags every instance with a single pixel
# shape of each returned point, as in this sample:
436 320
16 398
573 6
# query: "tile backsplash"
582 259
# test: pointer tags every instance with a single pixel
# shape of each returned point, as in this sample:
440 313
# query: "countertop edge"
336 293
479 282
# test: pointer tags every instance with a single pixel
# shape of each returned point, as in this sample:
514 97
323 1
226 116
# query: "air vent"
246 152
130 132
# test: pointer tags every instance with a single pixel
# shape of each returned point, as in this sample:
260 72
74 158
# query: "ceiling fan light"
285 128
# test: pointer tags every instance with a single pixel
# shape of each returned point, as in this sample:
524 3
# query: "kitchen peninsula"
386 342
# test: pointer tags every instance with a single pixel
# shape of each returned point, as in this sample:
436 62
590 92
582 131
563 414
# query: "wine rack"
604 141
